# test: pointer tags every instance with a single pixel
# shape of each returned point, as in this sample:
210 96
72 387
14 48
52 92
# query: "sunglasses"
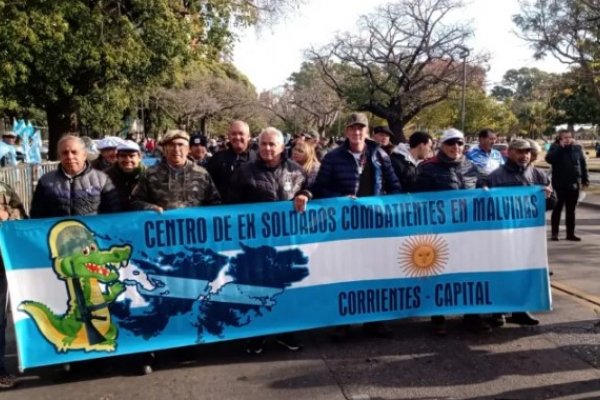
454 142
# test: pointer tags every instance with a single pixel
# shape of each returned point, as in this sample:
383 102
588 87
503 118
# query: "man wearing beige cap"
358 167
176 182
517 171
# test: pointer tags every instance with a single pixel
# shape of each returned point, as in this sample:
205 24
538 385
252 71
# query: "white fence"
23 178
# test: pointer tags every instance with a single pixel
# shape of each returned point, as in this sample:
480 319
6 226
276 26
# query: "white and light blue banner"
136 282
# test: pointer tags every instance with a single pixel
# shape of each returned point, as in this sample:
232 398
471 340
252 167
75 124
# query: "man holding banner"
271 177
449 169
176 182
11 208
357 168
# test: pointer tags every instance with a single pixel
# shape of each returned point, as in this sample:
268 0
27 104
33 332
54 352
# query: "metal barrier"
23 179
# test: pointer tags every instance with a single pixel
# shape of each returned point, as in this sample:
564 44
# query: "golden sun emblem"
423 255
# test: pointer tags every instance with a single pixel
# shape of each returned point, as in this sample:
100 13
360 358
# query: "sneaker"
255 345
289 341
474 323
497 320
340 333
574 238
378 329
522 318
7 380
438 325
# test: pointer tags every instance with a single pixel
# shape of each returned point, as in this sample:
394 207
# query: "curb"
586 204
576 292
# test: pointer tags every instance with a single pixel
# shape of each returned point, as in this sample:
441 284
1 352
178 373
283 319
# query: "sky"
270 56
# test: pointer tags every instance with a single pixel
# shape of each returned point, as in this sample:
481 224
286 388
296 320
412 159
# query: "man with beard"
224 163
449 169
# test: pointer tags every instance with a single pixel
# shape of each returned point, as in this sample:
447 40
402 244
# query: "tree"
69 56
573 100
404 59
569 30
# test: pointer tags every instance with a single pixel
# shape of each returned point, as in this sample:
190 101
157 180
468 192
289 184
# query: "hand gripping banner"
116 284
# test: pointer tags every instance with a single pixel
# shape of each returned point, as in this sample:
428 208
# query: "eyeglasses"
454 142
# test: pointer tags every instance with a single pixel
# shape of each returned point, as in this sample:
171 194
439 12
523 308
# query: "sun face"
423 255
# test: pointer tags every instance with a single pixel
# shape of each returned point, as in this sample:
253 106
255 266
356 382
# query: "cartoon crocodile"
79 262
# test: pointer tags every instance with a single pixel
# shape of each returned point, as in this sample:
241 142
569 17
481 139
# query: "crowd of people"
309 167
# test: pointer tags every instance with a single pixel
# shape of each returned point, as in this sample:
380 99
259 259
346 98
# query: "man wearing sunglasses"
449 169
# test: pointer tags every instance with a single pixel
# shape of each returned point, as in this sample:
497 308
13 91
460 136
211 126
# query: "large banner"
91 287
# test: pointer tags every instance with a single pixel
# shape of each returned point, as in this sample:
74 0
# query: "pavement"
559 359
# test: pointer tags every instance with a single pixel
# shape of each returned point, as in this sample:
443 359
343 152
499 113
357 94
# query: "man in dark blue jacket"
357 168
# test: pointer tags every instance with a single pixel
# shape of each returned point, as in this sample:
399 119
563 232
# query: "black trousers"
567 198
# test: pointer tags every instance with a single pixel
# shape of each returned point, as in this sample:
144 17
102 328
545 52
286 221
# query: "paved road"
560 359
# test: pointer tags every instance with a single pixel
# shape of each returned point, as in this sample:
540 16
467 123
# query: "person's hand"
158 209
353 197
585 185
4 215
300 202
547 192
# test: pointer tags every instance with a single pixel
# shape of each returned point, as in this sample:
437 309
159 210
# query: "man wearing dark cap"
199 150
383 136
357 168
517 171
176 182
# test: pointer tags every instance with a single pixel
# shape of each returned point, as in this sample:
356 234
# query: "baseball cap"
383 129
357 119
107 143
196 140
450 134
519 144
128 145
173 134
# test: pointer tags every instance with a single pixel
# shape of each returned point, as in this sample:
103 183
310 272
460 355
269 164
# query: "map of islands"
213 290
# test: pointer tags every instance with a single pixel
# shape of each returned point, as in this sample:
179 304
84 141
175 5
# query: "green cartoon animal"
79 262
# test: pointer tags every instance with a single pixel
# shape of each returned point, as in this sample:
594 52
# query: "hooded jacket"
405 166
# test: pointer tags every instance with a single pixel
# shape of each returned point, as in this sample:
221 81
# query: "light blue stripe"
321 306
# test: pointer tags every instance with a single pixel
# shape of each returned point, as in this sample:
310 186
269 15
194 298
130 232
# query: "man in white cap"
175 182
9 138
108 154
127 171
449 169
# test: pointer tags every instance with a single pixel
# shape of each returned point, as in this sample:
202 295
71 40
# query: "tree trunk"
61 120
397 127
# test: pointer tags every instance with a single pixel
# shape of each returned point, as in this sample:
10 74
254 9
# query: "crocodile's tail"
47 322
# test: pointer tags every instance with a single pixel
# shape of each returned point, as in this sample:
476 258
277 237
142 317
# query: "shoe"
497 320
474 323
378 329
289 341
522 318
574 238
340 333
7 380
255 346
554 238
438 325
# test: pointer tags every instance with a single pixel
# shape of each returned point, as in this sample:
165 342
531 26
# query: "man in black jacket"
271 177
224 163
406 157
449 169
569 175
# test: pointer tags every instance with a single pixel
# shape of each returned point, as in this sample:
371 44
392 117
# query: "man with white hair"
271 177
74 188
